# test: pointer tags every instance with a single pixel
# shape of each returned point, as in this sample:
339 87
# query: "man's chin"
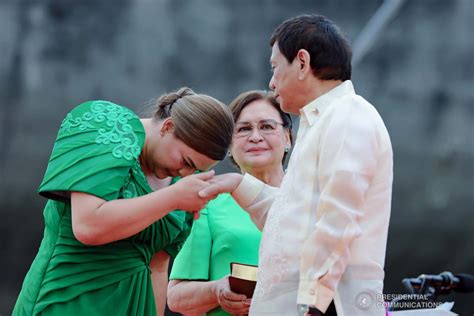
283 106
288 109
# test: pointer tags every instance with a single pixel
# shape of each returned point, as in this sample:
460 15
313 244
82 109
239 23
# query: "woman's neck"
143 158
151 131
270 175
155 183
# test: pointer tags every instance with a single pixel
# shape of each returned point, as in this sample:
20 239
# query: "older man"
325 229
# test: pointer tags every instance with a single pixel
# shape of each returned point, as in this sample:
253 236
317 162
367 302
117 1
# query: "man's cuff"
314 294
248 190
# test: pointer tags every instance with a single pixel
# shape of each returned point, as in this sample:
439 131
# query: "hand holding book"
229 301
243 278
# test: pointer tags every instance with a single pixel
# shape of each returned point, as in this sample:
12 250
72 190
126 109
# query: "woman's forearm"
192 297
96 221
159 279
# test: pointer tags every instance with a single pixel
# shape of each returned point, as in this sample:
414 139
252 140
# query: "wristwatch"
309 309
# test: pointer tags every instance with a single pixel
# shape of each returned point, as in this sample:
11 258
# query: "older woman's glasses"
264 127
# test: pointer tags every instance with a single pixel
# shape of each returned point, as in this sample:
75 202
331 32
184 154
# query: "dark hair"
329 50
247 97
200 121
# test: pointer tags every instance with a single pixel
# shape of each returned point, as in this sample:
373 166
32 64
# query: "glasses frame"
258 126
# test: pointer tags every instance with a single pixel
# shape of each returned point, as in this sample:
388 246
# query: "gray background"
419 74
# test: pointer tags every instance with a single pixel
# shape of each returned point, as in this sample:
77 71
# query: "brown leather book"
243 278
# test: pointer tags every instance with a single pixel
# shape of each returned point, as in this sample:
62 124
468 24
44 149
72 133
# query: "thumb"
205 175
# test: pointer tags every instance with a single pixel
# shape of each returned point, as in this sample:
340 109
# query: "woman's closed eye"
187 164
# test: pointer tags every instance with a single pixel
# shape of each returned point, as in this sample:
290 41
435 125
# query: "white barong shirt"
325 228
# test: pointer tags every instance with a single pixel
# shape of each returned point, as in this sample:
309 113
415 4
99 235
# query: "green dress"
96 152
223 234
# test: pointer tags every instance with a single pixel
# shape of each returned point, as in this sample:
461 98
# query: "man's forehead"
275 52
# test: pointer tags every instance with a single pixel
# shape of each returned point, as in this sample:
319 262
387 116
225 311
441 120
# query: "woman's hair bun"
165 102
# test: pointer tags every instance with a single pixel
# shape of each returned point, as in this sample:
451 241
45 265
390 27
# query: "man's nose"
271 84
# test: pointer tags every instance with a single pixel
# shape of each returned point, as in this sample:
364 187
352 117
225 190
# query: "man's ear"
287 138
304 61
167 126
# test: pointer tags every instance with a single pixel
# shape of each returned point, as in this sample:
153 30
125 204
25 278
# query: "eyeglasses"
265 127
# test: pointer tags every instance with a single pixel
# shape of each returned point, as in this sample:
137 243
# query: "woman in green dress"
225 233
110 224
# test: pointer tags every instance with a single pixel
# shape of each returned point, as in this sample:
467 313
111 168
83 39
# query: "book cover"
243 278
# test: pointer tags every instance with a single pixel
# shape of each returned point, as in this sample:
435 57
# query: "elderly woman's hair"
200 121
247 97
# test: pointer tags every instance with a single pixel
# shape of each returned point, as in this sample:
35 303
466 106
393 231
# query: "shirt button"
311 292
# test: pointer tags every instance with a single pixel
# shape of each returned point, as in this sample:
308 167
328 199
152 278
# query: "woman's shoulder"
97 140
102 105
89 113
108 124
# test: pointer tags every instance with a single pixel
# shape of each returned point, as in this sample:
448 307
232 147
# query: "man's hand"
219 184
186 192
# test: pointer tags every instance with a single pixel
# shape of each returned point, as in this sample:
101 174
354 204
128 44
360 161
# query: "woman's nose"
255 135
186 172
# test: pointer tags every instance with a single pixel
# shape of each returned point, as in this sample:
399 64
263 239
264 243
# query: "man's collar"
318 105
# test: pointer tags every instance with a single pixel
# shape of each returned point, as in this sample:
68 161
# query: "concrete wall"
419 75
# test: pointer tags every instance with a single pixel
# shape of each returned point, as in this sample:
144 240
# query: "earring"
287 148
229 154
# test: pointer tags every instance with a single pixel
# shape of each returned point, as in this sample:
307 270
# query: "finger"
211 190
234 306
216 178
232 296
204 175
203 184
212 180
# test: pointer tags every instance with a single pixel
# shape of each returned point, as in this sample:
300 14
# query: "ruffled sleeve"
192 262
97 144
